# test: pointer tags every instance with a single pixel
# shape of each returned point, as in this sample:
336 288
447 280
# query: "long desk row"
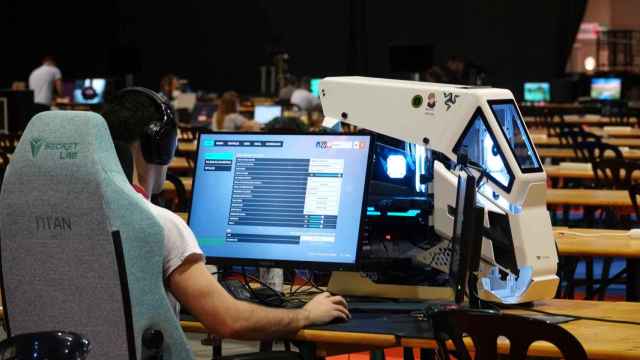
601 340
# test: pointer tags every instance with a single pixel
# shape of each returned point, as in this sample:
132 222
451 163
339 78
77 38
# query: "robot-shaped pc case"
519 257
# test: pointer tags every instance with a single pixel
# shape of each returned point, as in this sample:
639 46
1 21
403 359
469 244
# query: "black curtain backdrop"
219 46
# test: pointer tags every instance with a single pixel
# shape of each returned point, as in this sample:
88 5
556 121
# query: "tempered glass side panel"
480 145
513 129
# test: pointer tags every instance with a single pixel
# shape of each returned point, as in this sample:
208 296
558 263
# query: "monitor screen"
315 87
537 92
287 199
265 113
606 88
89 91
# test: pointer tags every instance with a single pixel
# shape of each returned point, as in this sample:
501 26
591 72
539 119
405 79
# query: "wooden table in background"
601 340
567 153
580 242
588 197
544 141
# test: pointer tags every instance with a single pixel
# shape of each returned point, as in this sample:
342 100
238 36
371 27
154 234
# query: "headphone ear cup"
158 144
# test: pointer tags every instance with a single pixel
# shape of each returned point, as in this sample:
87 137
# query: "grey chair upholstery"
79 249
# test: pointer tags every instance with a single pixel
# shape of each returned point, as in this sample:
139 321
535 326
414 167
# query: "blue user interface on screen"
280 197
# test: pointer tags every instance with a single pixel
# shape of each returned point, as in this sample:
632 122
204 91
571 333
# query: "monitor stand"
355 284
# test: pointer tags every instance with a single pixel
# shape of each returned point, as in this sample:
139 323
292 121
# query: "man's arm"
224 316
58 85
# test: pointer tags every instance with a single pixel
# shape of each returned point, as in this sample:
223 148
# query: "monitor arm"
482 125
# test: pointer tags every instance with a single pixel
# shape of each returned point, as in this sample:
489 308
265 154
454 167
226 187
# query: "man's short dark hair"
128 115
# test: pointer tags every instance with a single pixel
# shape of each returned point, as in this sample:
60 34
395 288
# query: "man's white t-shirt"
41 82
179 243
304 99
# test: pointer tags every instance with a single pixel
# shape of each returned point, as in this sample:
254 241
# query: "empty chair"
615 173
73 232
484 328
592 151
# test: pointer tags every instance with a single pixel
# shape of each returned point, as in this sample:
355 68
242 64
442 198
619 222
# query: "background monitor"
537 92
82 93
265 113
314 87
280 199
606 88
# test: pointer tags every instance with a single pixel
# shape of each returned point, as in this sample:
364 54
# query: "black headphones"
159 140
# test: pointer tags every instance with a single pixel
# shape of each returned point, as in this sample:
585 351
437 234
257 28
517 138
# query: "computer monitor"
466 244
314 86
288 200
537 92
89 91
606 88
265 113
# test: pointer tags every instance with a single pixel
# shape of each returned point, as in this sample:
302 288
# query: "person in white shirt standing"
303 98
43 80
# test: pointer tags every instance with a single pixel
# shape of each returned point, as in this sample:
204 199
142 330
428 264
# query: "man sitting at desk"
143 120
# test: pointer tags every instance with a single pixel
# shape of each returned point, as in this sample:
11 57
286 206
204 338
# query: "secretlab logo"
36 145
66 151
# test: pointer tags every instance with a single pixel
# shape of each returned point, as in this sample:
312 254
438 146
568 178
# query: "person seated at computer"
129 116
43 81
290 84
303 98
227 117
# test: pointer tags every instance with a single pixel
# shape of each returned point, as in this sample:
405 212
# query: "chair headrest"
71 142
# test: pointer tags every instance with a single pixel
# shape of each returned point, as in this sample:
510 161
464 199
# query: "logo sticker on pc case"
66 151
431 100
450 99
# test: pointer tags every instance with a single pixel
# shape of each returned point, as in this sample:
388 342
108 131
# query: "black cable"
576 317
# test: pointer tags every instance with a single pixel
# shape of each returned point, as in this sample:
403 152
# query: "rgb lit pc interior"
266 199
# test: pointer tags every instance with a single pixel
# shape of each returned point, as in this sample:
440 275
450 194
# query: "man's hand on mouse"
324 308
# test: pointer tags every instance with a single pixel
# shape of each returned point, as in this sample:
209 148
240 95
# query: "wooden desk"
567 153
547 141
575 172
588 197
605 243
188 147
601 340
180 165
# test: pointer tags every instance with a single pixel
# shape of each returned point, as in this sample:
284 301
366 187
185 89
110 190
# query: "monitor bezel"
292 264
